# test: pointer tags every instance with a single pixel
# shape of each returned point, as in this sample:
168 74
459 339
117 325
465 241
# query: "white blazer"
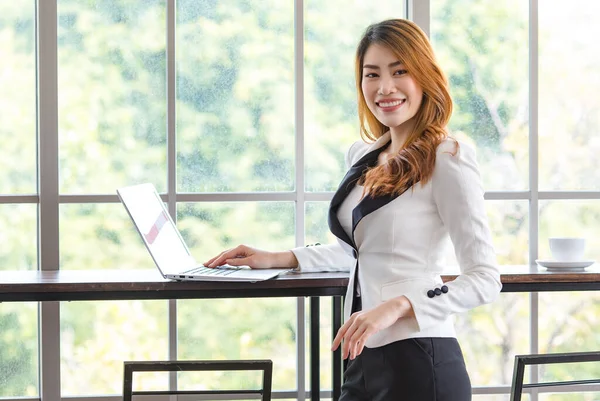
397 244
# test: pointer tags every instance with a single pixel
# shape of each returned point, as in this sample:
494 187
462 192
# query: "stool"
170 366
542 359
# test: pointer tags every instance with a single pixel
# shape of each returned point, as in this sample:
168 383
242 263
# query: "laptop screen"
150 216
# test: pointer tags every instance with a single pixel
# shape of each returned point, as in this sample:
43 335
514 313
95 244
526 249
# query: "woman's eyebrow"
390 65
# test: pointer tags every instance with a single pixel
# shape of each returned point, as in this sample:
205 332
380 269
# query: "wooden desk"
92 285
96 285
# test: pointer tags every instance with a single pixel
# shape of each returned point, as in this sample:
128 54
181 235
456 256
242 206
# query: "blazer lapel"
347 184
368 205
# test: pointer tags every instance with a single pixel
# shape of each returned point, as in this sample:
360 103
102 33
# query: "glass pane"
18 245
571 218
509 223
111 94
569 106
19 362
203 332
209 228
235 95
325 341
18 173
490 337
150 381
100 236
220 380
317 229
497 397
482 47
238 329
569 322
331 122
96 337
570 396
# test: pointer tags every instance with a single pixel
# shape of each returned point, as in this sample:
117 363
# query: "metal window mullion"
419 12
290 196
507 195
48 224
171 111
533 181
171 168
275 395
12 199
299 118
568 195
299 185
47 100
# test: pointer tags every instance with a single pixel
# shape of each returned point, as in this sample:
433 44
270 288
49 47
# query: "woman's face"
392 95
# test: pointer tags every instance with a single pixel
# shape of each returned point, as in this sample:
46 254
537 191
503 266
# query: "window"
240 113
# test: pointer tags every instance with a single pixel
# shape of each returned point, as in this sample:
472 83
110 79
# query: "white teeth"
391 104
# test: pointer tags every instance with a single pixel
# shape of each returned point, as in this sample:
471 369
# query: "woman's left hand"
361 325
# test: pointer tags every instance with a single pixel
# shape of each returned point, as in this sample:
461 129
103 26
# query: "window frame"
49 199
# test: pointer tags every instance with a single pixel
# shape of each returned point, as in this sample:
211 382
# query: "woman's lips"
390 105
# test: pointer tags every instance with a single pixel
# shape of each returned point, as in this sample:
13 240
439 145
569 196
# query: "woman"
409 187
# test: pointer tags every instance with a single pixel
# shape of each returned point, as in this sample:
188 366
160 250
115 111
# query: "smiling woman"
403 91
391 220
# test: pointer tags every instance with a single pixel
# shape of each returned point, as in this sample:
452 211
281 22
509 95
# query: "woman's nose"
387 86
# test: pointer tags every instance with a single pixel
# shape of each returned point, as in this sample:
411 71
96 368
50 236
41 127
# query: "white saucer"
556 265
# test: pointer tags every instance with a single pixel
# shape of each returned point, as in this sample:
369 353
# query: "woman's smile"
390 105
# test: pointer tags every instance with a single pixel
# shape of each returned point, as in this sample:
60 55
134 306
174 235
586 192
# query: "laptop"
167 247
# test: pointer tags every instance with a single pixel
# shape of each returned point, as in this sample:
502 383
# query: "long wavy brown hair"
416 159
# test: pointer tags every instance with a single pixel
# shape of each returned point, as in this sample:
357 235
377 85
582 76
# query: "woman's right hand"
243 255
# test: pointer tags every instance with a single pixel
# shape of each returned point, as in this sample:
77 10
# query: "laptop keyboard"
216 271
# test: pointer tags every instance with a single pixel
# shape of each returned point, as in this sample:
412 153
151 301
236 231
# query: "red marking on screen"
155 229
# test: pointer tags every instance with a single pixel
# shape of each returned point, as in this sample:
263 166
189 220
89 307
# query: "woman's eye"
401 72
370 75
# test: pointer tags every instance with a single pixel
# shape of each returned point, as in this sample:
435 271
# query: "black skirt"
415 369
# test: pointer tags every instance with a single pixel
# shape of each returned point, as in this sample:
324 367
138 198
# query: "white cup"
565 249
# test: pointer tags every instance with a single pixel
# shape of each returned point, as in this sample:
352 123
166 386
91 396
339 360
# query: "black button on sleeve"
430 294
437 291
444 289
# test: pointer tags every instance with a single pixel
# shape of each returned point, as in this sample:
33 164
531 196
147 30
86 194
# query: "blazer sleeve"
458 195
323 258
331 257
